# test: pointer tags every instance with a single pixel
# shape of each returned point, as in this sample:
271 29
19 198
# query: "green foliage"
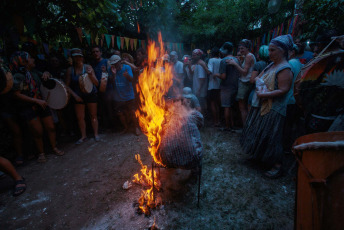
205 23
56 18
321 15
212 22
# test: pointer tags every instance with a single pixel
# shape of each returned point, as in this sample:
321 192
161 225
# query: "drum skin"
319 87
55 93
85 83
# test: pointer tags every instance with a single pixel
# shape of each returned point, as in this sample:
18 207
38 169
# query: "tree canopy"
206 22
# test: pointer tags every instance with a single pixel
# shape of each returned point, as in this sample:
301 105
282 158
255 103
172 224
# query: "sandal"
58 152
41 158
80 141
97 138
19 187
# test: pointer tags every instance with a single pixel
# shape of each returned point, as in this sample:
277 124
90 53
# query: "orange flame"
153 85
138 27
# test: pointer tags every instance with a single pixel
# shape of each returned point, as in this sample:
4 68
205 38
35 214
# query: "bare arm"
284 83
92 75
253 76
132 66
221 76
205 67
249 61
31 100
68 79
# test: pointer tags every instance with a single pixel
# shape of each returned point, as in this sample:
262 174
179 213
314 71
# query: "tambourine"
55 93
85 83
6 82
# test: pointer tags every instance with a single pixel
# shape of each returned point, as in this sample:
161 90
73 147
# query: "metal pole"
153 180
199 183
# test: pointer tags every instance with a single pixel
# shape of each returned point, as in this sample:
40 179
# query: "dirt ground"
83 190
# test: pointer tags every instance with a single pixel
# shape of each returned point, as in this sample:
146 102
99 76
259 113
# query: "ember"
154 83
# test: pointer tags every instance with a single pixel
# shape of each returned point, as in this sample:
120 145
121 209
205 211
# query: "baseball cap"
76 52
173 53
114 59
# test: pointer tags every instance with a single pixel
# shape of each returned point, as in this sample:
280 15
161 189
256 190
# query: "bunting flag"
281 29
126 42
277 31
96 40
113 41
135 43
268 41
182 48
140 3
263 39
118 41
291 26
79 31
108 39
140 45
65 52
30 24
122 42
46 48
131 41
88 39
294 26
273 34
143 44
102 41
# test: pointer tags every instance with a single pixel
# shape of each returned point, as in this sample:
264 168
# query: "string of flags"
121 43
287 27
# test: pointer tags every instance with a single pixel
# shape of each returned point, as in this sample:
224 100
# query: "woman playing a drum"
32 108
82 82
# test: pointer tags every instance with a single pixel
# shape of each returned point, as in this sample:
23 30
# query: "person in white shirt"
199 85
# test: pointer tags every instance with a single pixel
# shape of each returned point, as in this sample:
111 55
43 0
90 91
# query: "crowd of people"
260 85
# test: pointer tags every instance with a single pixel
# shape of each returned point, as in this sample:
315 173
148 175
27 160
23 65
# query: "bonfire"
154 83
